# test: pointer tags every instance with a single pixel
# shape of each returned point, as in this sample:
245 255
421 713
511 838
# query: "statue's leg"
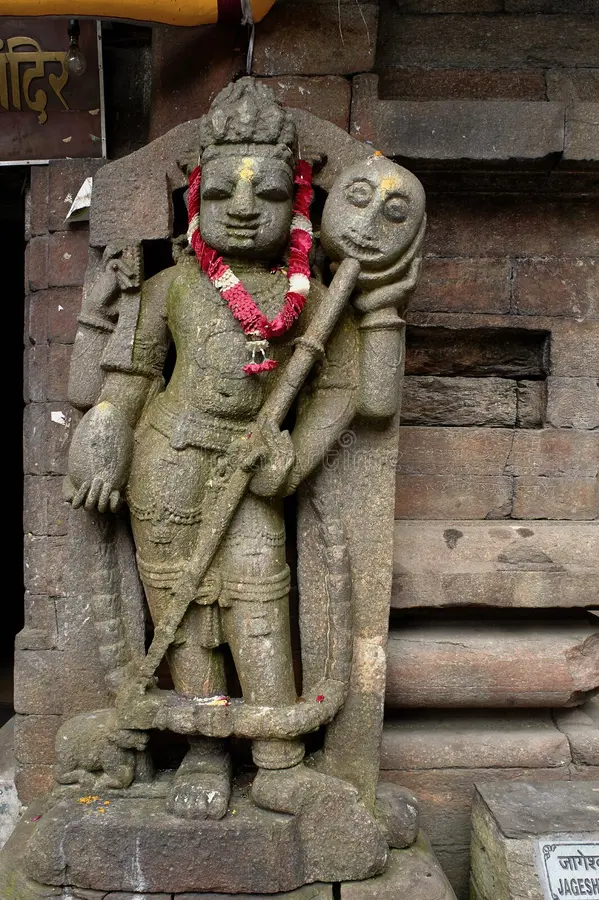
202 785
166 493
256 618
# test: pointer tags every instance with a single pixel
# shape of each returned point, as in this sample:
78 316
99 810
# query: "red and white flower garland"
241 303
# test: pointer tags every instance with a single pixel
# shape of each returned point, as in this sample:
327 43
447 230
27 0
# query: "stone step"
496 663
441 754
496 564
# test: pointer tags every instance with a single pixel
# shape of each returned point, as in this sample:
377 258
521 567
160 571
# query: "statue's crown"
247 112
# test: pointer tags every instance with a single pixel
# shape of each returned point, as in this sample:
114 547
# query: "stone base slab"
412 873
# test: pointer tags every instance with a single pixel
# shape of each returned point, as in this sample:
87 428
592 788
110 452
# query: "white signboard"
569 868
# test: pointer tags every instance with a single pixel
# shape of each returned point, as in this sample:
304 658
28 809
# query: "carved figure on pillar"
282 403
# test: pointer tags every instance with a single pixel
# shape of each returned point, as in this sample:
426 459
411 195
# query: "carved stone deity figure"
252 382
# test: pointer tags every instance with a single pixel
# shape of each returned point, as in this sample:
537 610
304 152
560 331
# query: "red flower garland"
241 303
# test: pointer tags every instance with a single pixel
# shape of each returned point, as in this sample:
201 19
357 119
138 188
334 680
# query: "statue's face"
373 213
246 205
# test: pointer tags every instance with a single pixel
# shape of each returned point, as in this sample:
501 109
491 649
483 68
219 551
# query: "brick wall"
497 543
49 680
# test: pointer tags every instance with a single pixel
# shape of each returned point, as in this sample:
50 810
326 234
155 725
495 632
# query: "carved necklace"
241 303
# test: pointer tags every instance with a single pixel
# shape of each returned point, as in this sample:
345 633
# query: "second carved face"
373 213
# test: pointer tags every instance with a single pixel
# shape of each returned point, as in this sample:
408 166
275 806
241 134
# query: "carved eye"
396 209
275 192
217 192
359 193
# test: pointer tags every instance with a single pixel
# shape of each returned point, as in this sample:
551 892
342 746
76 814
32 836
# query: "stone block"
52 315
47 430
562 287
316 39
134 844
495 664
34 738
56 682
454 130
327 97
572 85
495 564
46 564
581 728
488 42
463 285
573 402
458 739
428 400
44 510
563 227
581 145
57 260
413 872
38 200
506 824
556 498
38 682
460 84
481 451
315 891
46 371
40 631
213 57
576 7
65 178
575 348
33 781
437 496
531 404
536 589
453 451
554 452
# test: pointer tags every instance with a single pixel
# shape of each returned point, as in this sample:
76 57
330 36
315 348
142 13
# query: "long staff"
214 527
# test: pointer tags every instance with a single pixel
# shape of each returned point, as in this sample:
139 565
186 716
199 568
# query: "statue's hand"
275 463
99 459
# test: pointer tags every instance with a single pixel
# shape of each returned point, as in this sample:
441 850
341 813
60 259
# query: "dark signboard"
46 112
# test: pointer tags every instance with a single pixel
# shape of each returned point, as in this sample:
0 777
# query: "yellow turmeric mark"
246 173
388 184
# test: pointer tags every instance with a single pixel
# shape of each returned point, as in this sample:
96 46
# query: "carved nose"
243 201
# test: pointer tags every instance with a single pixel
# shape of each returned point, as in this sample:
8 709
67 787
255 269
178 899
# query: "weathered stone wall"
497 548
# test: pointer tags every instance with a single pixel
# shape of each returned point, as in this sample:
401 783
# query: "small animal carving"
93 744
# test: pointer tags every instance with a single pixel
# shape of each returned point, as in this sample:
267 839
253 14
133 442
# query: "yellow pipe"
168 12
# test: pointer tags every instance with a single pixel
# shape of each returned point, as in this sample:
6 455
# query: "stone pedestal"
127 854
535 841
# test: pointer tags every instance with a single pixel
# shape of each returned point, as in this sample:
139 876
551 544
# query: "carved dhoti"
243 601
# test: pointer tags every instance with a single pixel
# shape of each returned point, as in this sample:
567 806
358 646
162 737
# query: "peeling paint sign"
44 109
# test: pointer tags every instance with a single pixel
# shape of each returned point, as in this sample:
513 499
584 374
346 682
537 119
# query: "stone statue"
277 373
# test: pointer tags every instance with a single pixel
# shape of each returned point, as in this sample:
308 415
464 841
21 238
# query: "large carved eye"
396 209
275 192
359 193
217 192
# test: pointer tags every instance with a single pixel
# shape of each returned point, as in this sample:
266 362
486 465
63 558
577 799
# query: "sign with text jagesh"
46 112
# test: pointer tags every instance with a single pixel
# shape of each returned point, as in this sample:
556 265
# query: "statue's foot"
341 839
196 796
202 786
